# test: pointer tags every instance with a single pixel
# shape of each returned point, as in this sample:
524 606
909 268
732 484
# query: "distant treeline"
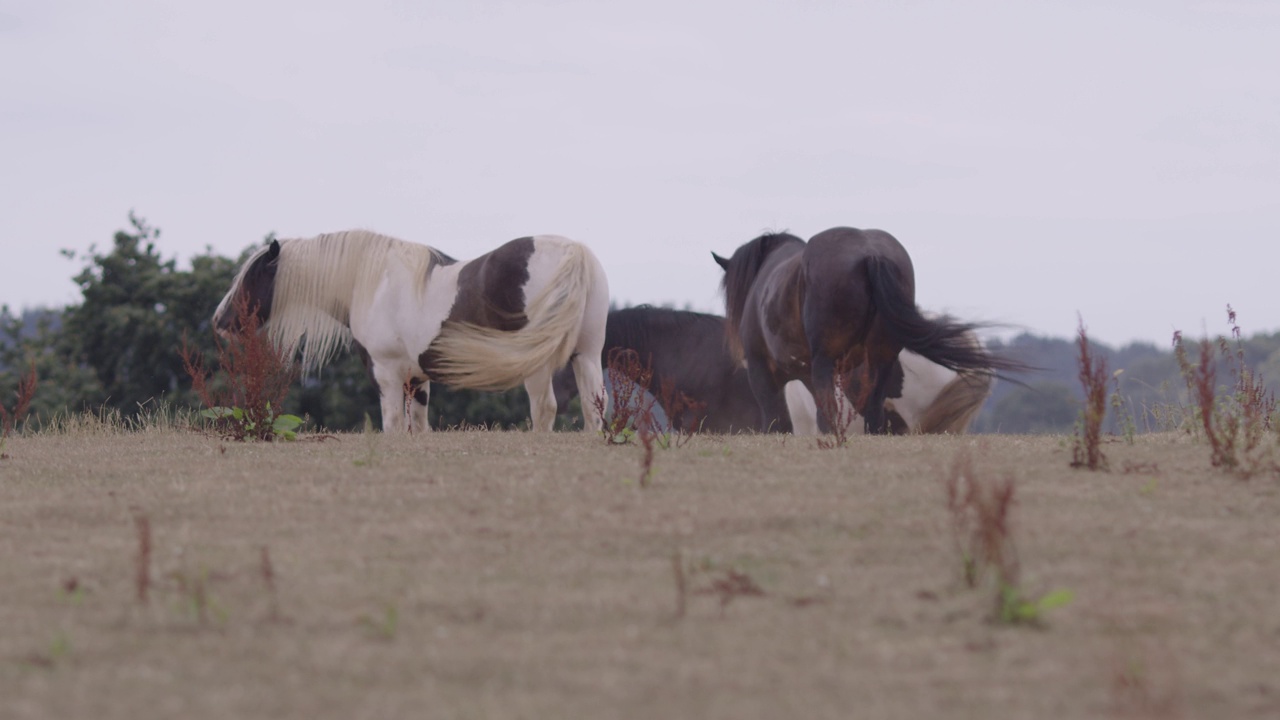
1146 377
118 349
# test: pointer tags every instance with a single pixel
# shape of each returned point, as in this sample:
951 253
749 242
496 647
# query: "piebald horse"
416 315
845 299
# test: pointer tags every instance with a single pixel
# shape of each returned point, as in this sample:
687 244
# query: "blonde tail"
479 358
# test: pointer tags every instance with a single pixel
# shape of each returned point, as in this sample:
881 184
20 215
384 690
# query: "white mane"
321 279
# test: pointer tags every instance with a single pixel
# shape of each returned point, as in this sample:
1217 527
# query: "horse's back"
838 248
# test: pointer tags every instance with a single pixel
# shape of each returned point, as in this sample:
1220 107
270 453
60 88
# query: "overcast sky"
1117 159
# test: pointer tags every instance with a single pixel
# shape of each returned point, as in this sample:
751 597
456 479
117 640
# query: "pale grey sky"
1120 159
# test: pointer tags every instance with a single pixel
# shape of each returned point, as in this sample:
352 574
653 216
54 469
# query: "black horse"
845 299
687 350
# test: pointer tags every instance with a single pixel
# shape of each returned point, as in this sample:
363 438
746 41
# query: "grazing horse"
416 315
688 350
844 300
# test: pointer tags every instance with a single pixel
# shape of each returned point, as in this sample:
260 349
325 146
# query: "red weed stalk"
980 527
677 568
142 569
838 411
632 401
22 403
268 572
1086 450
684 414
1234 426
257 378
648 436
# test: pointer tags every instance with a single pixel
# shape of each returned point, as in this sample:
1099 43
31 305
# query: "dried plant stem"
142 570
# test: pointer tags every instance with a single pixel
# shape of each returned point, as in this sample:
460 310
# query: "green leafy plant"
1015 608
282 426
194 599
59 649
384 627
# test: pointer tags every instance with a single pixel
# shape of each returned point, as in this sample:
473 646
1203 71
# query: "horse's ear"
724 264
273 250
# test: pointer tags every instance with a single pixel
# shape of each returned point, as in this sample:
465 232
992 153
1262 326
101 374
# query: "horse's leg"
590 377
883 374
391 397
589 349
771 396
801 408
420 392
873 415
542 399
824 390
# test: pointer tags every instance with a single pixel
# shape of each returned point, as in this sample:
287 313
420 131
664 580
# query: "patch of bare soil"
479 574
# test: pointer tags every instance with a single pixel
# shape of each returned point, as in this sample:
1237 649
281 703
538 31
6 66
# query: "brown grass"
524 576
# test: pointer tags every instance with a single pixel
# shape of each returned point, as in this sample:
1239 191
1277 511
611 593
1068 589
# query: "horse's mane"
322 279
743 268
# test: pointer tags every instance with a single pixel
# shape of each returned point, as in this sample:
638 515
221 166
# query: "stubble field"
508 575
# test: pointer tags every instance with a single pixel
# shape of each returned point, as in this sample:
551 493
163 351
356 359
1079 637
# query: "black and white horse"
416 315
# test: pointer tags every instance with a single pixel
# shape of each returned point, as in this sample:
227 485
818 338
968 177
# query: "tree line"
117 349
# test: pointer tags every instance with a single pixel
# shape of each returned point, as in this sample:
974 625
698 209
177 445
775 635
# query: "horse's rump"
487 358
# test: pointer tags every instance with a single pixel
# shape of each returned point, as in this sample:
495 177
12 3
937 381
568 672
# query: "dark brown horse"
688 350
845 299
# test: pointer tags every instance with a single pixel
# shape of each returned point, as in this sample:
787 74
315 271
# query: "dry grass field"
512 575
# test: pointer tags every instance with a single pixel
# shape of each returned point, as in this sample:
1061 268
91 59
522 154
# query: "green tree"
34 338
1046 407
137 308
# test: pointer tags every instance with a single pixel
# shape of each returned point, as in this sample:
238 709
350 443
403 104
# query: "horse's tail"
943 341
480 358
956 404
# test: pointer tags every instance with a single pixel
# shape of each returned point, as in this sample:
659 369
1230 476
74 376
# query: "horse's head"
251 291
740 272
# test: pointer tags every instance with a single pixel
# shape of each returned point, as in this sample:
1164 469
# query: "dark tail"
945 342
